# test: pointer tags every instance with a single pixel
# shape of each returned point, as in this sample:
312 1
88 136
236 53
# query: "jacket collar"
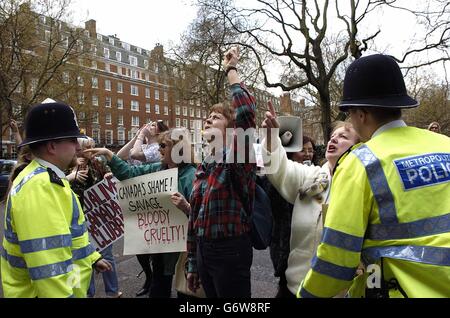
47 164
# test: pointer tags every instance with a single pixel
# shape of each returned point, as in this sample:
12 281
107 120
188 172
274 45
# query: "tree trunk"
325 120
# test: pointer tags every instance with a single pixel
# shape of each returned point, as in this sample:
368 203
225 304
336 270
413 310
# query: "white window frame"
119 87
177 110
119 103
157 109
120 120
94 82
110 133
94 100
108 119
177 122
134 106
166 96
156 94
147 92
119 56
107 85
133 60
121 136
108 101
134 90
166 110
147 107
106 53
135 121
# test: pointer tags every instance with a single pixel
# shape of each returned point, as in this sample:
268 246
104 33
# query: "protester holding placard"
163 263
93 170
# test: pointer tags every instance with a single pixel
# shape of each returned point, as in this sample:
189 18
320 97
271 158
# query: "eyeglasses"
162 145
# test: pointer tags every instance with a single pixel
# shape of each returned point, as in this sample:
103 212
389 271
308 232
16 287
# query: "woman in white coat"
307 187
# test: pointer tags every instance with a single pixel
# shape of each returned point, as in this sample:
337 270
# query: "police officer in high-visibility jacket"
390 198
46 250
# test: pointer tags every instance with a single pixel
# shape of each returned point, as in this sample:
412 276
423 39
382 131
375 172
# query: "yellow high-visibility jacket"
46 251
390 201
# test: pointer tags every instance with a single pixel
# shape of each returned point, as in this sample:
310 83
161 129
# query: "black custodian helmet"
50 121
375 81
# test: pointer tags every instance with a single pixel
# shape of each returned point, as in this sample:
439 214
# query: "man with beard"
46 250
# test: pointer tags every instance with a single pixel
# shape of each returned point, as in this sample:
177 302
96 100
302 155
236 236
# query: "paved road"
263 282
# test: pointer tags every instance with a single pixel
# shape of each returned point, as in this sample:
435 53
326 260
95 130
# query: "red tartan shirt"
223 193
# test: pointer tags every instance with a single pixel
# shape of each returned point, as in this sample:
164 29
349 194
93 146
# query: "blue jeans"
109 278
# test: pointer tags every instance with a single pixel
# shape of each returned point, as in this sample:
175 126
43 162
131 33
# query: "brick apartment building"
125 86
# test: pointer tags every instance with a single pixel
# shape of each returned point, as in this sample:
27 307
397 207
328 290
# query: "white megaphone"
291 133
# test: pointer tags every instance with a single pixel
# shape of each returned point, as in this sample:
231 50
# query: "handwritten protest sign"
152 223
103 213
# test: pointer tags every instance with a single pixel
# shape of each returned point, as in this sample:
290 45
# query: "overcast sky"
138 22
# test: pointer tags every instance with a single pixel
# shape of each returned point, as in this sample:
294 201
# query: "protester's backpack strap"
262 221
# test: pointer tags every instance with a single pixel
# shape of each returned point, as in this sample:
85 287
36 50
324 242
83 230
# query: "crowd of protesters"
383 191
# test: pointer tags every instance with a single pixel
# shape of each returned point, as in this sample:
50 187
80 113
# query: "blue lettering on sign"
424 170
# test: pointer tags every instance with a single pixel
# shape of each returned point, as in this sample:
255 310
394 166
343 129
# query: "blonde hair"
434 123
181 137
347 126
85 142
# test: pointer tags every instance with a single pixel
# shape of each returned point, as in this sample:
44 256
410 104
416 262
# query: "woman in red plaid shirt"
219 246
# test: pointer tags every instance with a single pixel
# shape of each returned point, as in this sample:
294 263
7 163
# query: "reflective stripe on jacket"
46 250
390 200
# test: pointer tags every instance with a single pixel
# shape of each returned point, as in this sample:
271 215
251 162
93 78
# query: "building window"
108 102
146 64
177 110
166 96
177 122
134 90
106 53
108 137
185 123
191 124
126 46
133 60
111 41
108 119
47 35
119 87
199 115
156 94
204 114
107 85
119 56
134 74
156 68
94 82
134 106
80 81
191 112
94 100
81 98
94 64
96 135
99 37
66 77
107 68
184 111
82 116
147 107
121 137
156 109
119 103
95 118
166 110
147 92
135 121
